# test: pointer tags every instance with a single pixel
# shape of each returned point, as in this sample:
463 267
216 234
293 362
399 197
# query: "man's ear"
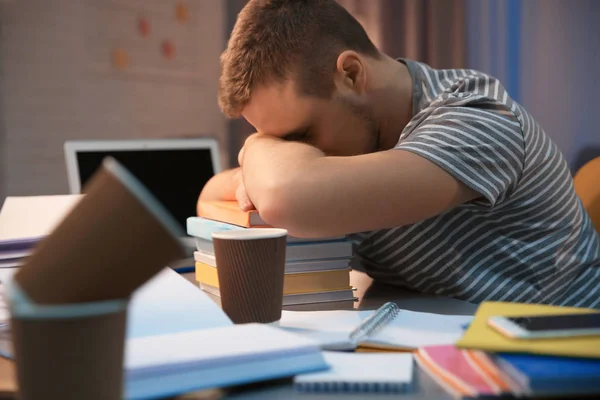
351 73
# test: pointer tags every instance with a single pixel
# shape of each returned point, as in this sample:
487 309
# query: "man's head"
298 69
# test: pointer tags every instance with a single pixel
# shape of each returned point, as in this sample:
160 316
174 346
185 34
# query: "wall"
58 83
560 55
547 54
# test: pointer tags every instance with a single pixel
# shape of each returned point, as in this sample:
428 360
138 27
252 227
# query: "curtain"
545 54
431 31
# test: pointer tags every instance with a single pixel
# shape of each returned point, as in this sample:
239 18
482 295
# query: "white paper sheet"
409 329
148 355
415 329
362 368
33 216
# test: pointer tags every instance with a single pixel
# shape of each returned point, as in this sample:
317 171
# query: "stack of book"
485 363
317 272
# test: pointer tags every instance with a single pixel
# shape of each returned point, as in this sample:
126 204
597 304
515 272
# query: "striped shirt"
527 239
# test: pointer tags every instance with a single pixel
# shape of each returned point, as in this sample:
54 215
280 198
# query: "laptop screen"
175 177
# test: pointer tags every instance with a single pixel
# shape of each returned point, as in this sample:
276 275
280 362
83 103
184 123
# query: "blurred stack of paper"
25 221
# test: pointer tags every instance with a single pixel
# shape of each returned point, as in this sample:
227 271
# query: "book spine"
223 214
311 282
205 228
297 252
201 227
310 251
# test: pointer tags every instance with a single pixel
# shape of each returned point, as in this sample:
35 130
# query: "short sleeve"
481 147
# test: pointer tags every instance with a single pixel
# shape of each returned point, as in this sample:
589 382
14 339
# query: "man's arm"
296 187
222 186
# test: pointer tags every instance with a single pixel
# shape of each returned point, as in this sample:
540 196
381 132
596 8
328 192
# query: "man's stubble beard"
365 113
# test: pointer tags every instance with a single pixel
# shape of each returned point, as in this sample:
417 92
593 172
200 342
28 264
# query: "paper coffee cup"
250 268
115 239
68 352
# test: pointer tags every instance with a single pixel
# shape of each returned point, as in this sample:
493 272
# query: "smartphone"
547 326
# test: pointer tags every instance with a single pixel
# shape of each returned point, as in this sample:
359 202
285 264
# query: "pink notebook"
459 375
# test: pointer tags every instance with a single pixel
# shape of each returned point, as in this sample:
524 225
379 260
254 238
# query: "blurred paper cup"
250 267
69 300
70 351
115 239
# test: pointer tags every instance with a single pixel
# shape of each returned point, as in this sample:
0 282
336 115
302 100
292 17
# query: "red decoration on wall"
120 58
144 27
168 49
182 12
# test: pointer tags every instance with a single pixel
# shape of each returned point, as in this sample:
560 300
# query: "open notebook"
387 328
167 365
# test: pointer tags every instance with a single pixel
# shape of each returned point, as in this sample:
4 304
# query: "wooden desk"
371 295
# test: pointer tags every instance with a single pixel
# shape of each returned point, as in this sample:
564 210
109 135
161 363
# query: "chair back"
587 186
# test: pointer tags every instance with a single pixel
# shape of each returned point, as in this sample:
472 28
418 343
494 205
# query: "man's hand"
240 193
221 186
263 176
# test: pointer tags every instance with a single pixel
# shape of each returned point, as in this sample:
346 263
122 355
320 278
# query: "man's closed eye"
297 137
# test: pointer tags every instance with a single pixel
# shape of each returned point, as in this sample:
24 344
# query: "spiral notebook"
389 328
360 373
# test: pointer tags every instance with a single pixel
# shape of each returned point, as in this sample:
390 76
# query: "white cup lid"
250 234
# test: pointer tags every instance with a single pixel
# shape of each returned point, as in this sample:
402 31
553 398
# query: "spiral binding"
351 387
371 325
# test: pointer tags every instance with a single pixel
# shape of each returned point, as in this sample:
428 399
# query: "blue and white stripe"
527 239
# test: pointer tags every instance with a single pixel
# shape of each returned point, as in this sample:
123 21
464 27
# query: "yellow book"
481 336
318 281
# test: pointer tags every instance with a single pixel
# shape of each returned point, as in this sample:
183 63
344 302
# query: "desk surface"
370 295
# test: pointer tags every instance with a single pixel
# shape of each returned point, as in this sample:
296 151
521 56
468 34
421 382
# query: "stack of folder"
26 220
485 363
317 272
13 253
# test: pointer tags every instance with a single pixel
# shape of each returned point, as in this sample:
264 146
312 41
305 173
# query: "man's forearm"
220 187
270 166
318 196
271 169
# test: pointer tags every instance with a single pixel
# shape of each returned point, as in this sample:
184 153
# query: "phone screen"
558 322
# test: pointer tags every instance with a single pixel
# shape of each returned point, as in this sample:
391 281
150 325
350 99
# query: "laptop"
174 170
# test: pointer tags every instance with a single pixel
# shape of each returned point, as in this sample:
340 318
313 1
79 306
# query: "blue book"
548 375
19 244
203 228
304 251
169 365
